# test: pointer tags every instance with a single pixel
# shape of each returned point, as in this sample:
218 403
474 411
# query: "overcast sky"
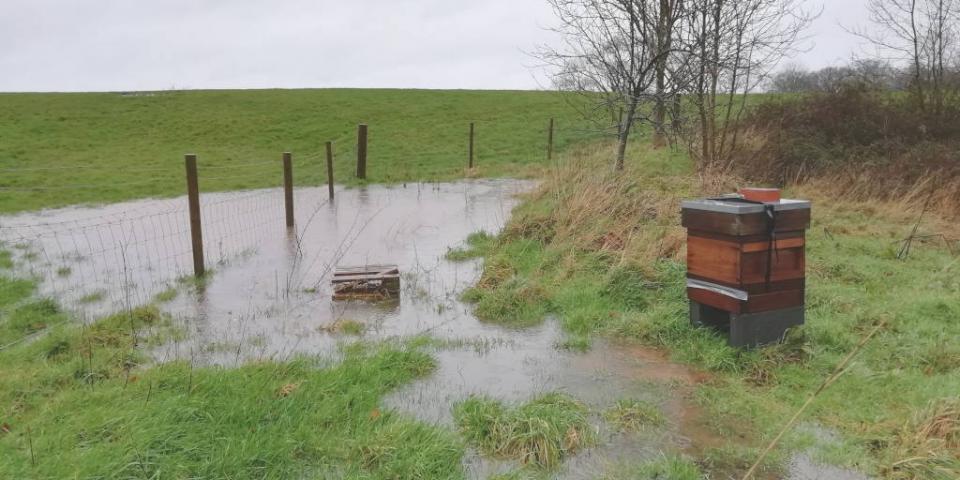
84 45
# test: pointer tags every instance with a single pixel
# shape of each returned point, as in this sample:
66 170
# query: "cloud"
82 45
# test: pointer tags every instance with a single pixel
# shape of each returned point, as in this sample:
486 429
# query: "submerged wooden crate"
366 282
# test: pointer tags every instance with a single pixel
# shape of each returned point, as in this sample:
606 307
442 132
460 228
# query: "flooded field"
269 296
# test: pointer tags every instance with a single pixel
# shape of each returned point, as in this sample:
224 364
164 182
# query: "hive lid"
735 204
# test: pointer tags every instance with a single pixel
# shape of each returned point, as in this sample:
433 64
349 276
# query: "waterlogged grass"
117 147
541 432
93 297
604 253
634 415
476 242
665 467
166 295
84 402
21 315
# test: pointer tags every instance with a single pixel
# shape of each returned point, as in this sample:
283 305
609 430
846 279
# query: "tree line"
686 67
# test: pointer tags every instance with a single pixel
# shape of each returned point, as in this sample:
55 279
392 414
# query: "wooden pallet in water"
366 282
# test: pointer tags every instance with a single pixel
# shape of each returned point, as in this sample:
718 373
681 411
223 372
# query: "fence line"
121 254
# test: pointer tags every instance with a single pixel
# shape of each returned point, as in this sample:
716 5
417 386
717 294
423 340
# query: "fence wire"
100 260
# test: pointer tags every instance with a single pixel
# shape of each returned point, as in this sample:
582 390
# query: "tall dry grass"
928 445
632 216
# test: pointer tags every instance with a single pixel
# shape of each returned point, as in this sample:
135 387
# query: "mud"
269 297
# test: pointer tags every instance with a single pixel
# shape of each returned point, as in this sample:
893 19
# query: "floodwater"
269 296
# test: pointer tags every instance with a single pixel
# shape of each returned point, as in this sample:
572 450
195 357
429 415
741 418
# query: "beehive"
745 265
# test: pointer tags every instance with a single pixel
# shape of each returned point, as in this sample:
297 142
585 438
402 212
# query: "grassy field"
61 149
605 253
602 252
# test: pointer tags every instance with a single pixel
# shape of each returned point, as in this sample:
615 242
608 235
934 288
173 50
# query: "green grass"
20 314
634 415
6 260
84 402
93 297
665 467
166 295
352 327
106 147
555 244
541 432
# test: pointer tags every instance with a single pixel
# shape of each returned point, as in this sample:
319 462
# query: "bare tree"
922 34
732 46
614 51
634 57
667 88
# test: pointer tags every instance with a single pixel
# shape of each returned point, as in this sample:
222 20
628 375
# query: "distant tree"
792 79
922 34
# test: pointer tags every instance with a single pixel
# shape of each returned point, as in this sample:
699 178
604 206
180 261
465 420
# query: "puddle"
269 297
531 364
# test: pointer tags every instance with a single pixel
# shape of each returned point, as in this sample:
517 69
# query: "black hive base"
747 329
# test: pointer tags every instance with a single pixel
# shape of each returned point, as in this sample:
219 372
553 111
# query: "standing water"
269 297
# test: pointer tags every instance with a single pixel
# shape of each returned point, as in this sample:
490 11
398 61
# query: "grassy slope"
133 146
606 254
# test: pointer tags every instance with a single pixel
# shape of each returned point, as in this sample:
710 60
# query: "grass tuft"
166 295
928 446
634 415
541 432
668 467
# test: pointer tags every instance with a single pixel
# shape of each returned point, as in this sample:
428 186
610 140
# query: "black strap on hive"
772 235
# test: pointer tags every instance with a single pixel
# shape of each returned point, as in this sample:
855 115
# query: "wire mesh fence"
115 256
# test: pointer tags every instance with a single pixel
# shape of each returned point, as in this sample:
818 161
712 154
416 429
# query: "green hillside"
60 149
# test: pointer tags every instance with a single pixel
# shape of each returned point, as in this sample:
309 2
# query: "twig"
33 457
837 372
908 242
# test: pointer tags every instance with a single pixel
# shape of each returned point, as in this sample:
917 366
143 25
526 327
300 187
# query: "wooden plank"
713 259
365 268
714 299
363 278
756 303
773 301
745 238
787 264
763 246
757 287
743 225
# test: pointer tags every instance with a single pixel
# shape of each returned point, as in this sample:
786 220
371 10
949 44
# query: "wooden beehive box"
746 257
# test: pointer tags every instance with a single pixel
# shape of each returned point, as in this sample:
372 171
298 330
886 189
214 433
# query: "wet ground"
269 297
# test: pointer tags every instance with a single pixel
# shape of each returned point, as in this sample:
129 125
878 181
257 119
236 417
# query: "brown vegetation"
856 143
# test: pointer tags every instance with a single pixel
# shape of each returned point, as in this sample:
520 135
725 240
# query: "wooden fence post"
330 169
193 200
288 186
470 155
550 141
362 151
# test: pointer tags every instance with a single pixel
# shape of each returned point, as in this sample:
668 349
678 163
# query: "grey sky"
81 45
